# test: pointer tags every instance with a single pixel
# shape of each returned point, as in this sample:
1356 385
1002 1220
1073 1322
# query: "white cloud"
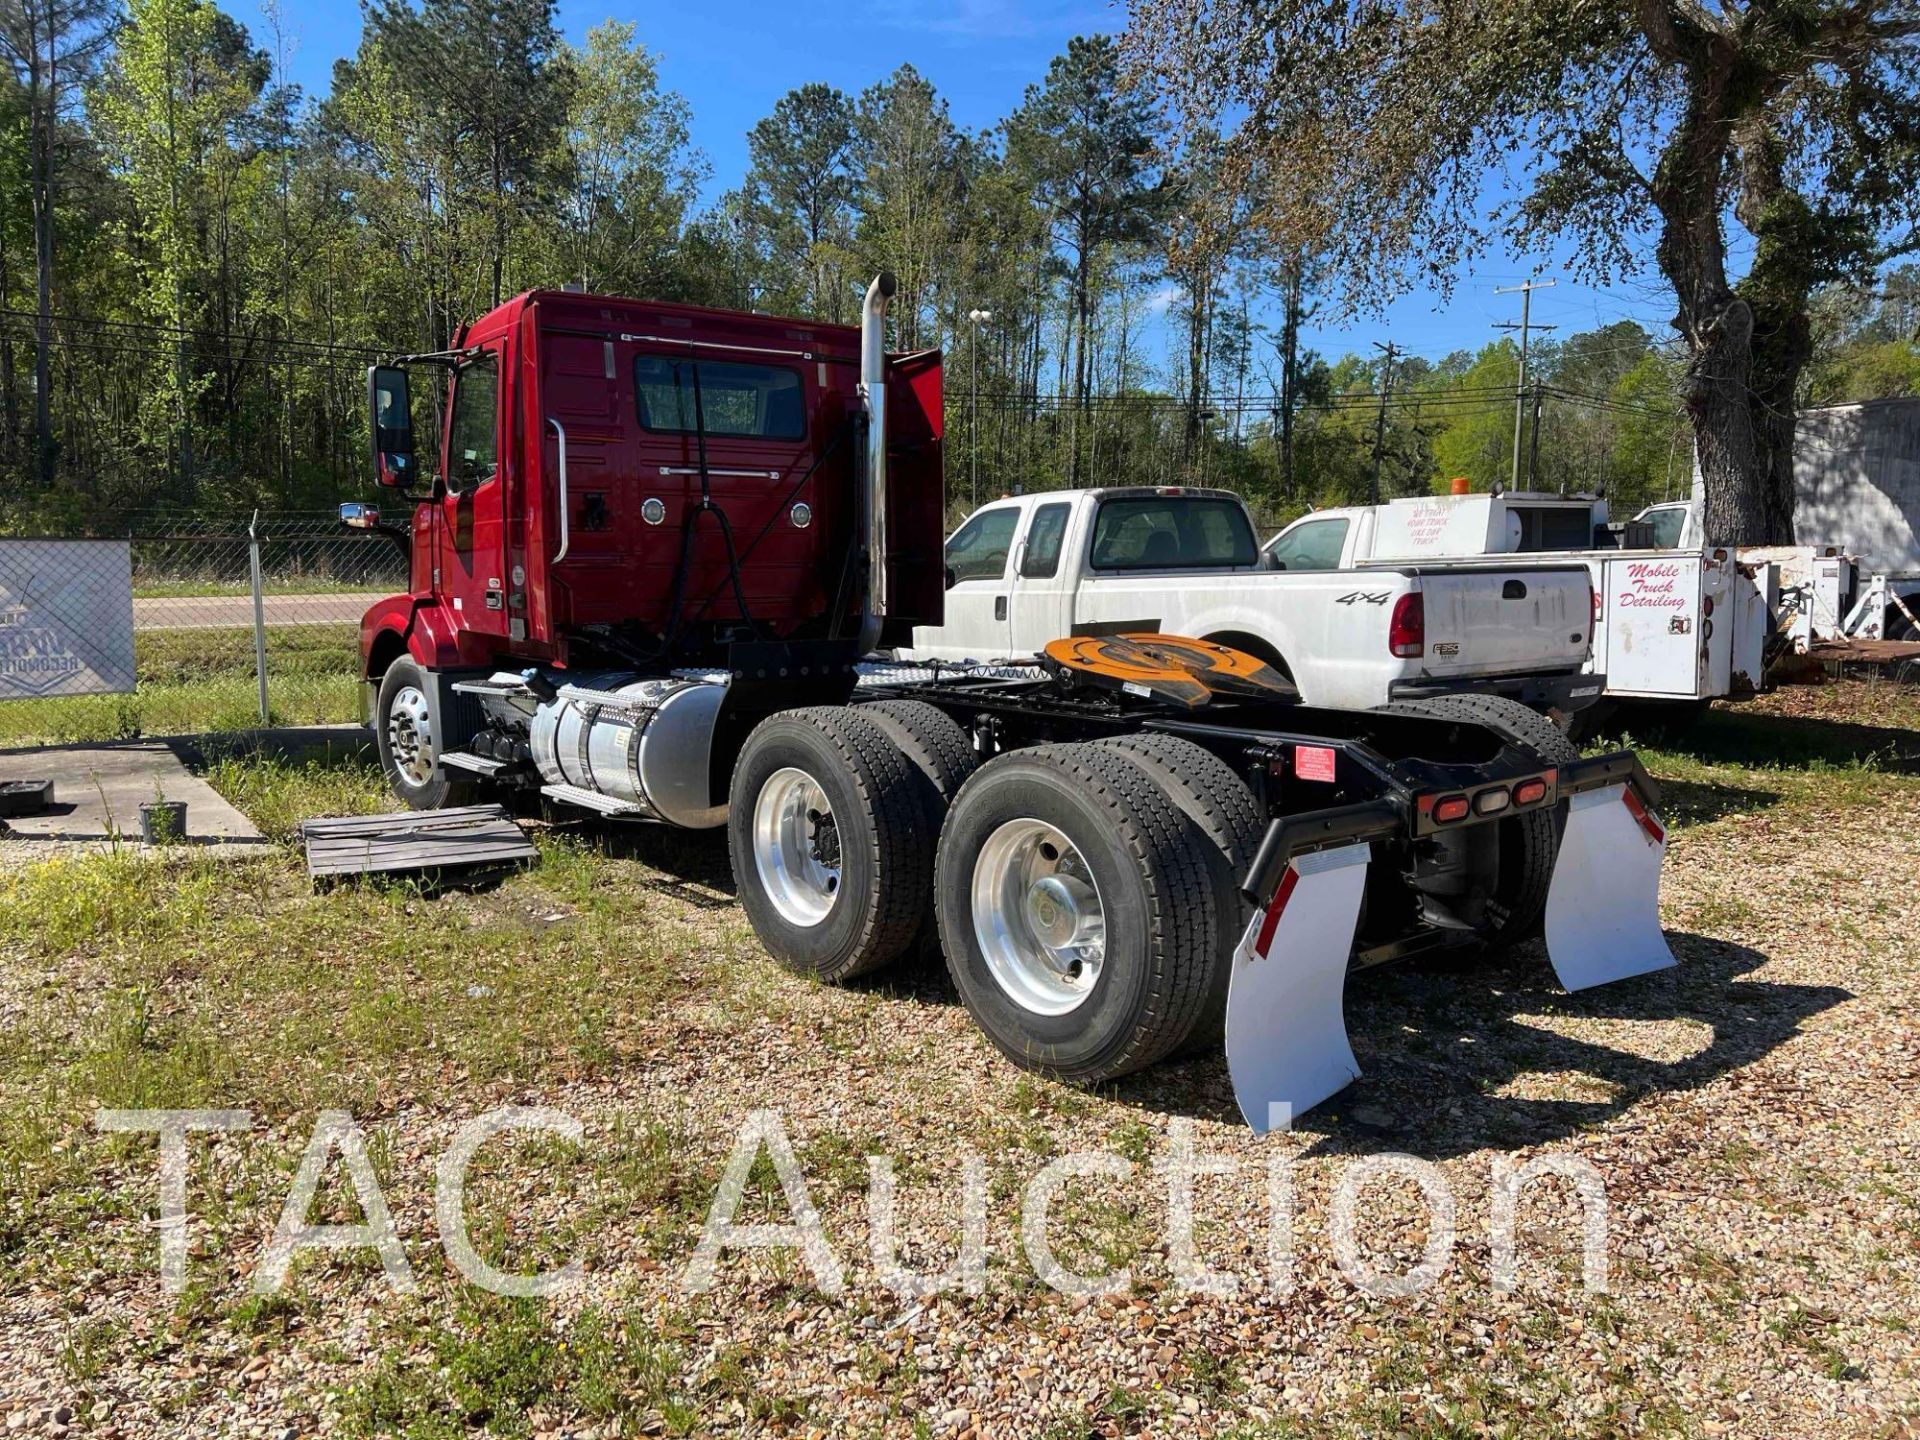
1164 299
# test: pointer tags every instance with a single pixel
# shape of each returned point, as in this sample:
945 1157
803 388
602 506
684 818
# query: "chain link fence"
238 621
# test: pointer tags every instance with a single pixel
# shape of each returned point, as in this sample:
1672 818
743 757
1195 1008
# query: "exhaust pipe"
873 495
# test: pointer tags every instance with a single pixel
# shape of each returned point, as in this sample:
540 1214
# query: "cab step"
478 764
595 801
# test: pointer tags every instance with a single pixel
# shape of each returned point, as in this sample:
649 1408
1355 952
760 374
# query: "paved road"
228 612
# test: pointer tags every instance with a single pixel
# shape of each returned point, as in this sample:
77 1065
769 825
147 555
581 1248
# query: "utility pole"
1390 351
977 318
1525 327
1533 445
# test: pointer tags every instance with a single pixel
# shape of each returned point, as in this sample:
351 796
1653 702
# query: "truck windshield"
762 402
1171 532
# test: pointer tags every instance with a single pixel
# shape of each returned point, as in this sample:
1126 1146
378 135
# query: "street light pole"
978 318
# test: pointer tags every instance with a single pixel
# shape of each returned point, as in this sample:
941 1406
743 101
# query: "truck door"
1042 586
470 556
1653 625
978 593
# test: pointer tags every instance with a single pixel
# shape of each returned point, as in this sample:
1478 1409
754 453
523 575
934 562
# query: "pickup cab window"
979 548
1555 527
1041 559
1312 545
1171 532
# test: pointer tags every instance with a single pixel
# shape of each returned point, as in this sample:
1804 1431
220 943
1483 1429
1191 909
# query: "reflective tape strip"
1282 893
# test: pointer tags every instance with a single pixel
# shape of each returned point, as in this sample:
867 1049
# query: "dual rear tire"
1084 895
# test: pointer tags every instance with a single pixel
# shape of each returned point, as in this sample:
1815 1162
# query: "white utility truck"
1672 629
1024 571
1856 480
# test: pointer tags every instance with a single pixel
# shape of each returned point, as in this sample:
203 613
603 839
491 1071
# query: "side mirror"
952 579
390 422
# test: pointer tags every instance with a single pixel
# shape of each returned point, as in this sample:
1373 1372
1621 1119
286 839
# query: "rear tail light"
1454 807
1706 605
1491 802
1529 792
1407 629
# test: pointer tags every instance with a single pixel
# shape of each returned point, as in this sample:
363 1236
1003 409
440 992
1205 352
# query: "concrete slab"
98 791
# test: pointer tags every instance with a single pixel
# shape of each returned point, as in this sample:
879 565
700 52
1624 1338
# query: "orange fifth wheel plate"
1187 672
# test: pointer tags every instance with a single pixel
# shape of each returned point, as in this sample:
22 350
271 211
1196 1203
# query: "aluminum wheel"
796 846
410 735
1038 917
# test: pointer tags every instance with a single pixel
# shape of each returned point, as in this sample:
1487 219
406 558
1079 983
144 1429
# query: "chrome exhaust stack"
873 494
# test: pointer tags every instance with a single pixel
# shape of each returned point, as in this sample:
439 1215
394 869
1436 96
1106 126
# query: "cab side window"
1041 559
1667 525
1314 545
472 457
979 549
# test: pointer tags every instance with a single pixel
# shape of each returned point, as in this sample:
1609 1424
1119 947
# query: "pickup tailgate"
1495 619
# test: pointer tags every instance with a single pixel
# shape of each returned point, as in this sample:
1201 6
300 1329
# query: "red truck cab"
622 479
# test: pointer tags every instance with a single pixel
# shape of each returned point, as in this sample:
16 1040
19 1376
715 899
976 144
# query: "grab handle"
566 537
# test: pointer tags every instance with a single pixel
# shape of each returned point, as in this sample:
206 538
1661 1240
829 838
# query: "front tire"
831 854
1076 913
408 737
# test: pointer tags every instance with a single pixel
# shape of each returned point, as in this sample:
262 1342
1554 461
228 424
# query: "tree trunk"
42 107
1289 373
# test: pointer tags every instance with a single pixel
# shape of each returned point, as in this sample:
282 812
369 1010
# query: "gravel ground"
1751 1114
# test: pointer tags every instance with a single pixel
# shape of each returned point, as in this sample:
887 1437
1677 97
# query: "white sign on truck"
66 618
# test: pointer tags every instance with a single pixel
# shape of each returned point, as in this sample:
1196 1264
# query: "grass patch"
199 682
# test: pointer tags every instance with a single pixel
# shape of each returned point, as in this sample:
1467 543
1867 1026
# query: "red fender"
425 629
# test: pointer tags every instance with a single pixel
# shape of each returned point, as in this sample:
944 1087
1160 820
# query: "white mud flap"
1603 908
1286 1034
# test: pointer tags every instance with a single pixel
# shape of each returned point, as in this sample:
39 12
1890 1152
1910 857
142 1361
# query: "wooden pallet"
1837 655
460 839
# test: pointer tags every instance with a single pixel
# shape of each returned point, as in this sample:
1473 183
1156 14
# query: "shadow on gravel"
1697 802
1453 1057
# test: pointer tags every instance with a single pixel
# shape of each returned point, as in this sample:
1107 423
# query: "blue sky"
733 61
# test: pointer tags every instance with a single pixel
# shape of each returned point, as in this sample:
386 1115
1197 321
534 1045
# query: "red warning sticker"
1313 762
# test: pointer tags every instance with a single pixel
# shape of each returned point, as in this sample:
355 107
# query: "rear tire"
407 735
1045 851
1228 828
831 854
1528 843
943 759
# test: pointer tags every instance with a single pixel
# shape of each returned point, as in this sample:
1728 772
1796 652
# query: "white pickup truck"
1029 570
1672 629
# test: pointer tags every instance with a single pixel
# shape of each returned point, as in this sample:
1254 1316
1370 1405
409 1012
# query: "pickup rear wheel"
407 735
1076 914
1529 843
831 854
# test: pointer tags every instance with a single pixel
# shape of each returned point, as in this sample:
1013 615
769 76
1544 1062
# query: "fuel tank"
645 742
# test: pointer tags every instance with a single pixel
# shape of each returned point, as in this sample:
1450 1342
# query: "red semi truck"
651 569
